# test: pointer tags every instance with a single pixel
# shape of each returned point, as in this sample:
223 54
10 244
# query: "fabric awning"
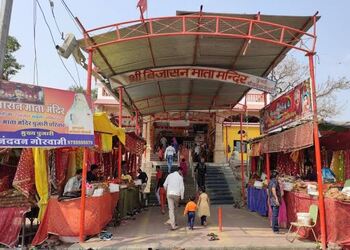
293 139
102 124
135 144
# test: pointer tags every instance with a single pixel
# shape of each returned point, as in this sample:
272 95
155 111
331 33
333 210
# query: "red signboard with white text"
292 106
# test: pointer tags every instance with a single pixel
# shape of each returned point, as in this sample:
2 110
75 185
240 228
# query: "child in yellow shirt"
190 210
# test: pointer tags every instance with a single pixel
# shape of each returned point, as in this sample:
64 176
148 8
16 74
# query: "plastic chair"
313 210
347 183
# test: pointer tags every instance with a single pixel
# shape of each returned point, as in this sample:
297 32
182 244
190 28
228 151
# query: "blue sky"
332 46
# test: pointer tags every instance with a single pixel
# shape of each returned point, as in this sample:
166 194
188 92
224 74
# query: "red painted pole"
84 172
318 154
242 163
226 138
268 172
220 218
120 90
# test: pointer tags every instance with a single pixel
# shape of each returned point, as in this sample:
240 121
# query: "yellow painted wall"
232 134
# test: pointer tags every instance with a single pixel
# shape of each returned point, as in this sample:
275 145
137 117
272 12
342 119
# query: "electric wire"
71 15
54 18
61 34
54 42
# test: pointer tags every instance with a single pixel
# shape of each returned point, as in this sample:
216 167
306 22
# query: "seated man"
92 174
73 185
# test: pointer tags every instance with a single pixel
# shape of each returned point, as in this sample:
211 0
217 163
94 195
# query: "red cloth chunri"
63 218
337 216
24 179
10 224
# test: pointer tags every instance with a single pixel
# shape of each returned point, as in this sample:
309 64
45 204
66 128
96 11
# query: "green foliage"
11 66
80 89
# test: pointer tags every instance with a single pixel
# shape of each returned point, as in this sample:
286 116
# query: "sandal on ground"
212 238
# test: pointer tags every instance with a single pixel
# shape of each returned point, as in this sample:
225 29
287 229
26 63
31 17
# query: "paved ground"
241 230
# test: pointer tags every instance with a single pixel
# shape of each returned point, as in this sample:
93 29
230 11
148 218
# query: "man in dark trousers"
144 179
275 199
201 170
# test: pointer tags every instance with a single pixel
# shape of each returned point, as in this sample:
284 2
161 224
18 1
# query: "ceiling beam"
277 58
94 43
161 95
244 47
195 52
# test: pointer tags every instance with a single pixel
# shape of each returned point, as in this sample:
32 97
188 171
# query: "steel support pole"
137 128
317 153
5 18
84 172
242 163
226 143
120 121
267 164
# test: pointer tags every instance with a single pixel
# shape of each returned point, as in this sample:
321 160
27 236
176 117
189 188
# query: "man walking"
201 170
169 156
275 197
175 189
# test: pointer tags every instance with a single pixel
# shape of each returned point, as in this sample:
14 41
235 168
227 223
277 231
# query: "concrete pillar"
146 134
219 150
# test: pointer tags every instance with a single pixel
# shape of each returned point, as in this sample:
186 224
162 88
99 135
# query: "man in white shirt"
169 156
73 185
175 189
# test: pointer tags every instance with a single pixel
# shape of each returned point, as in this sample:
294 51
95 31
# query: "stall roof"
102 124
156 43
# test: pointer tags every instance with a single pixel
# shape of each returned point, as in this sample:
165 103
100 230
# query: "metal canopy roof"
251 44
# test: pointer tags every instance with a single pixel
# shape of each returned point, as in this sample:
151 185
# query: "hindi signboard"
289 107
194 72
34 116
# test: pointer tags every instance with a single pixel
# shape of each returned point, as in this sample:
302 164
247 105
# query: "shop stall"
61 216
291 153
130 191
312 160
14 204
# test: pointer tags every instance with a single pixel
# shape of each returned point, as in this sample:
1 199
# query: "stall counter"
63 217
337 215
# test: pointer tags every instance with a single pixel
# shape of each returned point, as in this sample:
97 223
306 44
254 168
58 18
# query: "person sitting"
310 174
92 174
73 185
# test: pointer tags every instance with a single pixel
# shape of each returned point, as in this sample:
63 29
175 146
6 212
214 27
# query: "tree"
80 89
11 66
290 72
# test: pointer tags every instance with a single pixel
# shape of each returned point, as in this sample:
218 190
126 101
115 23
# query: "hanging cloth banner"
195 72
34 116
290 140
41 182
295 105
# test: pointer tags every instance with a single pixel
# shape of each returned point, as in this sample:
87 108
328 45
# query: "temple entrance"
185 136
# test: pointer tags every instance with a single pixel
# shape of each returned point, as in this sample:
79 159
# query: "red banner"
292 106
